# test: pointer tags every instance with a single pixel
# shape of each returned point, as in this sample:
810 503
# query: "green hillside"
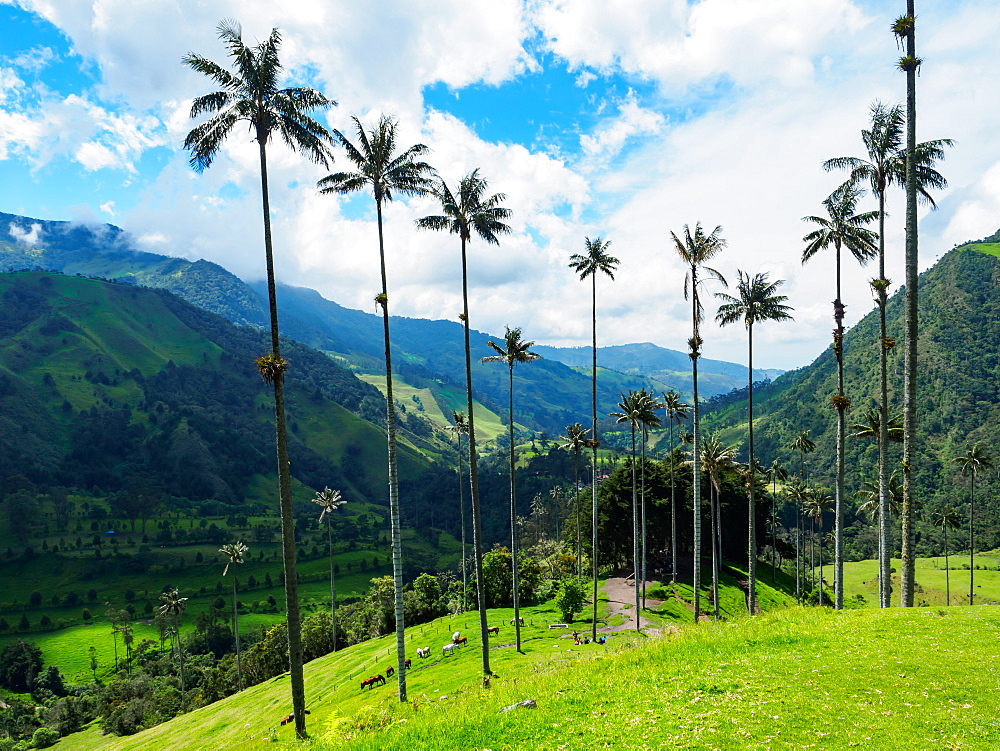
929 682
958 397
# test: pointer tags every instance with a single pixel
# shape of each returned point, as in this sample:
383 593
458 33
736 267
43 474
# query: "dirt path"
621 601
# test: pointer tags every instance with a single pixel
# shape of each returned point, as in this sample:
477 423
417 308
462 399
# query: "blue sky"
616 119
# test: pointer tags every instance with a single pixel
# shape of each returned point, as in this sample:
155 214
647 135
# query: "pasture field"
790 678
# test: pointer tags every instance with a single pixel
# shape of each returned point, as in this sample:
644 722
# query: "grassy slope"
789 678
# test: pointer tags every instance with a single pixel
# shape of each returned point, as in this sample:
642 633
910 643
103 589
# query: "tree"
173 608
636 407
234 552
383 170
20 663
841 228
775 474
595 260
757 302
575 440
886 166
798 491
975 460
696 250
647 419
676 412
818 501
947 518
460 427
570 598
470 210
515 350
250 94
714 457
330 501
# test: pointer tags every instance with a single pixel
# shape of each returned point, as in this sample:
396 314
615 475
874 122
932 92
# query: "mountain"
128 389
551 393
958 394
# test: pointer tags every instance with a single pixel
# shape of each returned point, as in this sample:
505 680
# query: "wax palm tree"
840 229
386 171
173 608
886 166
946 518
774 474
804 445
696 250
234 552
575 440
330 501
250 95
515 350
756 302
975 460
714 458
647 419
460 427
797 491
870 426
676 412
871 501
817 502
471 210
631 406
594 261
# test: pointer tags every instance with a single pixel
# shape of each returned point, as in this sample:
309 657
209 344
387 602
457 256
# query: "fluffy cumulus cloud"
722 113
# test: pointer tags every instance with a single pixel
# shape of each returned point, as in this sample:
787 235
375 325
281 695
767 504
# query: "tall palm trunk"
513 518
821 557
910 308
593 404
947 579
236 632
292 613
390 425
477 524
333 587
461 511
635 533
752 526
576 498
972 543
673 509
695 455
713 494
642 502
885 582
841 407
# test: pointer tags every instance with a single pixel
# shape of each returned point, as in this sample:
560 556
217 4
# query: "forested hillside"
958 392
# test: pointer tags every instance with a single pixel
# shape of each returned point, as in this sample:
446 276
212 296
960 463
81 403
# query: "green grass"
861 578
990 249
792 678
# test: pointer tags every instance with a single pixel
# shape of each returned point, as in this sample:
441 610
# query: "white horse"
448 648
454 636
423 651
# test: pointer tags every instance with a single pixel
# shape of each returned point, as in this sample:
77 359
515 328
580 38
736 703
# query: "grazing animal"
291 718
389 671
520 621
448 648
423 652
372 681
406 663
493 630
454 636
460 641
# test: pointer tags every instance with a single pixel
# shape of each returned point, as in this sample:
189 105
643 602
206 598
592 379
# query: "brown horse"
461 640
406 663
372 681
389 671
493 630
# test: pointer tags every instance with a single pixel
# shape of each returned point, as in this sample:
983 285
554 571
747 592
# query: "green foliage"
44 738
571 598
20 664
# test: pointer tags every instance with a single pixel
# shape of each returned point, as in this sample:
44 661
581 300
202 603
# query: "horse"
423 652
520 620
389 671
493 630
460 641
454 636
372 681
448 648
406 663
291 718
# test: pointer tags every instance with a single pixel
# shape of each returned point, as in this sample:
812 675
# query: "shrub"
571 597
44 737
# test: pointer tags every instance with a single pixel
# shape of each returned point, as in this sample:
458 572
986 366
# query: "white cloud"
25 237
109 208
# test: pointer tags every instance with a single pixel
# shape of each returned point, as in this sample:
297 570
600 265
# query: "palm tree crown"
469 210
250 94
842 227
756 302
594 260
378 166
234 551
515 349
695 250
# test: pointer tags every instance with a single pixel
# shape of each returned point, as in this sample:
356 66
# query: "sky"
615 119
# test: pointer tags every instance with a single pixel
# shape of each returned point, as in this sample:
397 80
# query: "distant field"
861 578
990 249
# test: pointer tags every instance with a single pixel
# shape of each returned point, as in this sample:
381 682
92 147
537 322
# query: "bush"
44 737
571 597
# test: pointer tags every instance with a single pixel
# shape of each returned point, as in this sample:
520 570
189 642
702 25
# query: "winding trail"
621 601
